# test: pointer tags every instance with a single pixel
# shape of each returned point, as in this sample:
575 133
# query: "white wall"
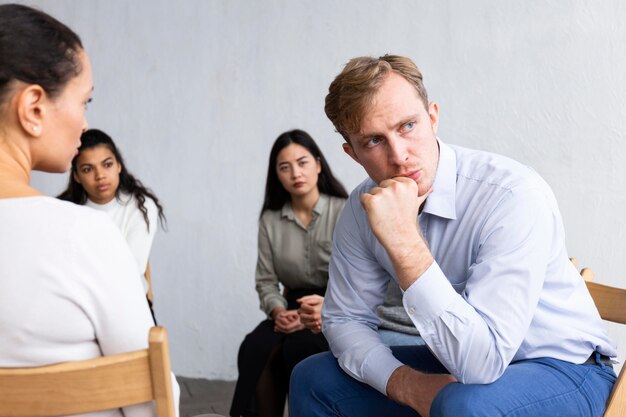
196 91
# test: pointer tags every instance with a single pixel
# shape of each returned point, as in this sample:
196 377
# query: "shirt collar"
320 207
442 201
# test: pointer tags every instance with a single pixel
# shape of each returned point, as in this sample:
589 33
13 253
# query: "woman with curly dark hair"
99 179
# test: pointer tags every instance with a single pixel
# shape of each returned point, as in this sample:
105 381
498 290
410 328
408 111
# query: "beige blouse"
292 254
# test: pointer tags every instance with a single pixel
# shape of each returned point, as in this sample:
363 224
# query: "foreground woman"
68 286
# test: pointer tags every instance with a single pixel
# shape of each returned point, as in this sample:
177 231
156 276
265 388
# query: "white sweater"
129 219
67 288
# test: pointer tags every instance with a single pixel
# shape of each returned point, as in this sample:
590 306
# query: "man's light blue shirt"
501 289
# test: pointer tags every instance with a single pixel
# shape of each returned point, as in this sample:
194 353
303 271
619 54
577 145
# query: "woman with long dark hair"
99 179
302 204
68 287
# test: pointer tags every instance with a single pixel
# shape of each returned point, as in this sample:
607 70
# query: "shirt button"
411 310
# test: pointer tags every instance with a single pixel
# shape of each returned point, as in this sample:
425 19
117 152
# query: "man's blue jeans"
531 388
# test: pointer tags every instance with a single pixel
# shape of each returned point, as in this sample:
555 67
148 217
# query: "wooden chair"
611 303
149 281
92 385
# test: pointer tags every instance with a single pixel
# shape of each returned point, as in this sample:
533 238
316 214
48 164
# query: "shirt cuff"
378 367
274 302
429 296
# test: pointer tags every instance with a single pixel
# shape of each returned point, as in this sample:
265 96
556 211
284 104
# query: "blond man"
475 241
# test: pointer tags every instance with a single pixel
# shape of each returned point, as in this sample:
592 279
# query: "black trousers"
284 351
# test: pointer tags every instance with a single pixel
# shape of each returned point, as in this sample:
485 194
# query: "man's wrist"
416 389
410 261
398 379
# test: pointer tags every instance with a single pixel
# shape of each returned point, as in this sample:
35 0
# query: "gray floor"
201 396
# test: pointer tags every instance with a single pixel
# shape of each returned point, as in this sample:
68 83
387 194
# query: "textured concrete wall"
196 91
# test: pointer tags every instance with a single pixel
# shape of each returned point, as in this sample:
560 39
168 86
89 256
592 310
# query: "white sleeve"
109 292
138 236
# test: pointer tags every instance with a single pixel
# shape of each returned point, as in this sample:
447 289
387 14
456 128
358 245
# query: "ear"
433 113
31 109
319 166
76 177
347 148
119 168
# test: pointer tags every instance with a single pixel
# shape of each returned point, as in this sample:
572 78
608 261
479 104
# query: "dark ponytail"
35 48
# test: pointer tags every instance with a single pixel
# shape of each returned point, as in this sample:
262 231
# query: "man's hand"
287 321
392 210
311 312
416 389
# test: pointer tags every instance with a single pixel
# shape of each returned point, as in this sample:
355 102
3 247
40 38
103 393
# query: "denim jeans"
543 387
393 338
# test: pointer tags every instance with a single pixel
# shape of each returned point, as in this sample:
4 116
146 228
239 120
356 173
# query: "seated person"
99 179
476 243
68 283
302 203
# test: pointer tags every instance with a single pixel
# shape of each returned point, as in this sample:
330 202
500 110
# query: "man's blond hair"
353 90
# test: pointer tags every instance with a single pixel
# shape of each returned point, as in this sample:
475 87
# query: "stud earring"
35 128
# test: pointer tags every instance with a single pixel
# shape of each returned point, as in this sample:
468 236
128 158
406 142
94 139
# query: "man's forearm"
392 209
410 259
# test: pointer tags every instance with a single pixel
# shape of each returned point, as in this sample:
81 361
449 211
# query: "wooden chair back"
92 385
611 303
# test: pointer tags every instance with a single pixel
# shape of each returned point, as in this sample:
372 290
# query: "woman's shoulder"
336 201
270 216
51 208
65 221
148 203
335 204
130 202
83 218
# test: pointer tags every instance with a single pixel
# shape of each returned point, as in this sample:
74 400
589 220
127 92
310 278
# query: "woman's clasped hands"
310 312
309 316
287 321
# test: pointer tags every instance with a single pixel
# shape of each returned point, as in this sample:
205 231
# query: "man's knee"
460 400
309 381
311 371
